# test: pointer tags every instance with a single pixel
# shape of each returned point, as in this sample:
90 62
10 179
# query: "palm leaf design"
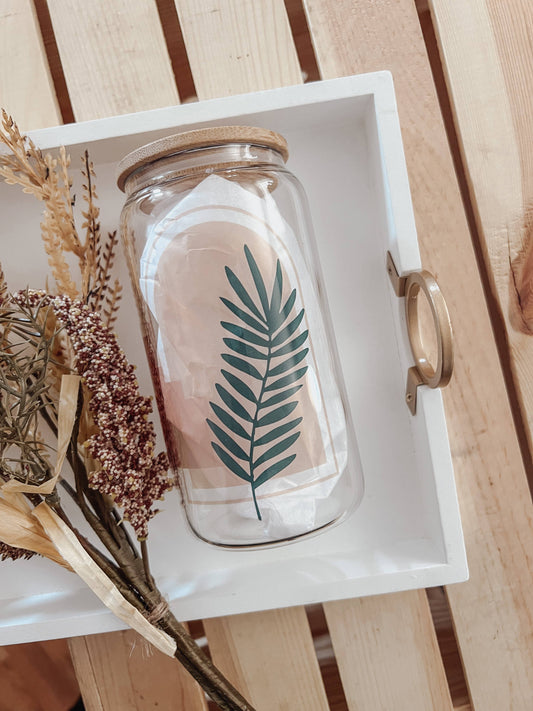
254 430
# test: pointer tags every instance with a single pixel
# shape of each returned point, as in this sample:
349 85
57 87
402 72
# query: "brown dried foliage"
103 298
112 304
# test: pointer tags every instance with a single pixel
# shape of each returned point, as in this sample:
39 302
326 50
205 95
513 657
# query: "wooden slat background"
270 657
37 677
26 87
387 653
490 81
122 671
234 46
396 651
114 56
495 501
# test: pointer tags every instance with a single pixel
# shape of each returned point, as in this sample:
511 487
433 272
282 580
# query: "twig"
146 565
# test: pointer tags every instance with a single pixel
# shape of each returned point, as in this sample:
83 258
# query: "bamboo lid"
199 138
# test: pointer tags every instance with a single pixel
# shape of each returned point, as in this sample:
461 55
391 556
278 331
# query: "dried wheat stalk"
49 180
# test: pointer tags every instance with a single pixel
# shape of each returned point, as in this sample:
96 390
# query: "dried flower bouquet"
65 380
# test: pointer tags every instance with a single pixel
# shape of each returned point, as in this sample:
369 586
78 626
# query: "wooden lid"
200 138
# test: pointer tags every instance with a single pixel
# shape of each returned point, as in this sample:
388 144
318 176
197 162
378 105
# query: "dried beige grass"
48 179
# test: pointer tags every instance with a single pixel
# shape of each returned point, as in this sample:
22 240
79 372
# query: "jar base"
272 543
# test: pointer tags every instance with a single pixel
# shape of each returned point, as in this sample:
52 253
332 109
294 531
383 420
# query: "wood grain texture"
235 46
492 612
239 46
496 142
114 56
37 677
490 85
270 657
26 88
368 636
120 670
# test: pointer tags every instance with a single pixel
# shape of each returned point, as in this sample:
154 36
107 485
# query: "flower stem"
146 564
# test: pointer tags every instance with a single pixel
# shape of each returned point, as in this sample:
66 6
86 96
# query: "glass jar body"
225 272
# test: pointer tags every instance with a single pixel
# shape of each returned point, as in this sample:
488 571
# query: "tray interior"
406 532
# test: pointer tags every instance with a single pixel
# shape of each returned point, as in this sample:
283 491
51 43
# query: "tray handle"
423 373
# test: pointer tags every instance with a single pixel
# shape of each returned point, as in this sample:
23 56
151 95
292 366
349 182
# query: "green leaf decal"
280 397
276 415
230 422
243 365
244 349
286 380
288 330
228 441
258 280
289 363
248 320
285 311
243 295
277 290
233 404
245 334
231 464
239 386
278 448
292 346
277 317
273 470
272 325
278 432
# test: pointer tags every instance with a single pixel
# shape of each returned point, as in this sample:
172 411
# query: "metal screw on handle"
423 372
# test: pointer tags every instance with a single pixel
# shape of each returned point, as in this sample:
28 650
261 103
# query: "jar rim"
198 138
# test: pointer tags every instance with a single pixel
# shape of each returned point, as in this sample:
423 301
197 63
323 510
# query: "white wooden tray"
345 144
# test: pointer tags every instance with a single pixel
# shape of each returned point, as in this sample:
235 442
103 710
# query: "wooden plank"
488 59
120 670
114 56
236 46
26 88
270 657
37 677
496 143
387 653
239 46
491 612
